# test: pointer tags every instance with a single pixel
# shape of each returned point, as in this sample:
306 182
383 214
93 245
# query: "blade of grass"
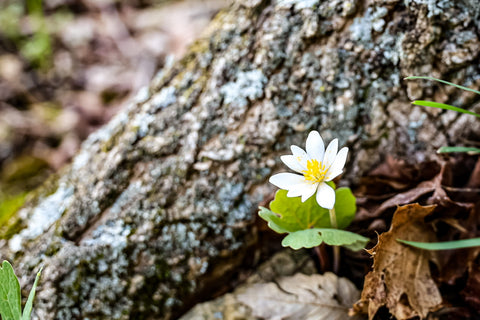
443 81
432 104
28 306
469 150
448 245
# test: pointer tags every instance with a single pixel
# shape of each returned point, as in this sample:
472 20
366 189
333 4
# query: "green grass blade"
28 306
443 81
468 150
458 244
432 104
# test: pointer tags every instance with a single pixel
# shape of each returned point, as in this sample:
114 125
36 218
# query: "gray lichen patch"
297 4
248 85
164 98
45 214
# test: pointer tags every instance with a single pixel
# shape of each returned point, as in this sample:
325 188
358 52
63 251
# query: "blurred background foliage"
67 66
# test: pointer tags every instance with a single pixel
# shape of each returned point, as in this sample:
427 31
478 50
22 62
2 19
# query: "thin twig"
321 255
336 259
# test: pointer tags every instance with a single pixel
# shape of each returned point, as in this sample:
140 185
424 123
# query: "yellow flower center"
315 172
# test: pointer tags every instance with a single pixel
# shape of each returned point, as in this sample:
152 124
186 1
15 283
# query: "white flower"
316 166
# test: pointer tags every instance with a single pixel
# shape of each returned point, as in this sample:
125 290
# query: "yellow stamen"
315 172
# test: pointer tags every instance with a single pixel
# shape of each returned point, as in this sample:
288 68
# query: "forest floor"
67 69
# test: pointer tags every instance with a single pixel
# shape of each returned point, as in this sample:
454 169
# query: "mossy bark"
158 207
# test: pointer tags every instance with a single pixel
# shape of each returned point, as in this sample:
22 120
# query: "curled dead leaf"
401 279
434 185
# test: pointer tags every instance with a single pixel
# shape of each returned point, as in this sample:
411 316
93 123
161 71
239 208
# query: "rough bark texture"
158 206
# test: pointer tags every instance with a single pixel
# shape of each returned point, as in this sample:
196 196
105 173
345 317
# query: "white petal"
315 146
293 163
297 151
337 167
305 190
330 153
294 193
332 175
300 154
325 196
286 180
308 190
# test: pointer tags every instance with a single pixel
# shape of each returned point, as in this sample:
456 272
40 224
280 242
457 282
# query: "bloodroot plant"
312 220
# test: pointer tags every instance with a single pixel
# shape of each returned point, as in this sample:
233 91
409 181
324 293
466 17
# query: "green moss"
14 225
48 187
189 62
9 206
53 248
113 139
23 168
18 189
11 228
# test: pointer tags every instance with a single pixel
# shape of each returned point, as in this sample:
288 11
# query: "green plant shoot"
447 245
468 150
10 295
443 106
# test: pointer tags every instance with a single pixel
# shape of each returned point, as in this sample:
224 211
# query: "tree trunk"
158 207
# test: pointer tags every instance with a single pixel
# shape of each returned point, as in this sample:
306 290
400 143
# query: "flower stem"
336 249
333 218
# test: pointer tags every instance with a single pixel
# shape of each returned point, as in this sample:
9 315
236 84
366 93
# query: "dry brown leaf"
407 196
302 297
474 181
471 292
401 278
394 175
393 170
434 185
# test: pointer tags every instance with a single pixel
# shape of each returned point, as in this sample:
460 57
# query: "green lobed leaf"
291 214
314 237
10 298
444 106
271 218
443 81
309 225
468 150
28 306
345 207
448 245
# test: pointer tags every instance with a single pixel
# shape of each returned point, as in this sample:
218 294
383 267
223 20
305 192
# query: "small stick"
336 259
322 254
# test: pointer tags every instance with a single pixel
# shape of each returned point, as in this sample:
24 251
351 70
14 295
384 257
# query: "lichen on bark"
158 208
